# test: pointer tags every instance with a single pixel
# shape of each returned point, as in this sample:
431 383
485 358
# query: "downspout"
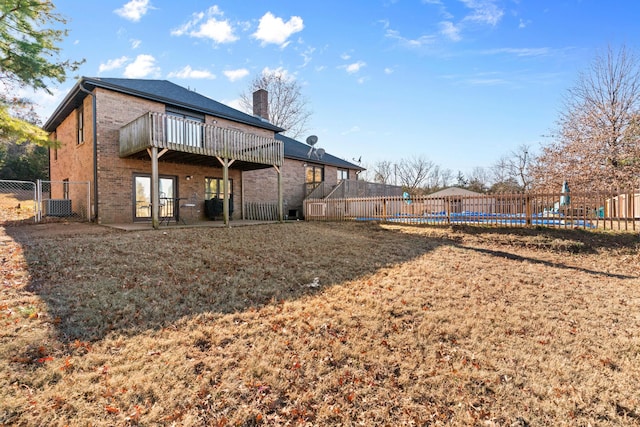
95 151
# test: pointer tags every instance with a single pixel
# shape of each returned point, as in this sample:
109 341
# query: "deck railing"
618 211
188 136
355 188
256 211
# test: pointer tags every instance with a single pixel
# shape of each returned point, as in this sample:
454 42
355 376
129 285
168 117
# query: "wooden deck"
166 132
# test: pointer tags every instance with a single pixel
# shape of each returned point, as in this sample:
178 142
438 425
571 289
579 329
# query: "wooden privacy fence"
619 210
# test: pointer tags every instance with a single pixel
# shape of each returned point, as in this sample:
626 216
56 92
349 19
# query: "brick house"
303 172
149 146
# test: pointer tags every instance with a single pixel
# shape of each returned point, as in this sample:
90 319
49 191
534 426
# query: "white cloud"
345 56
522 52
135 43
274 30
281 72
189 73
483 11
238 74
410 43
355 67
448 29
307 55
218 31
112 64
207 25
142 66
388 70
134 10
523 23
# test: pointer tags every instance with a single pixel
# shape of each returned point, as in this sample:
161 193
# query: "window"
314 175
184 128
343 174
80 125
214 188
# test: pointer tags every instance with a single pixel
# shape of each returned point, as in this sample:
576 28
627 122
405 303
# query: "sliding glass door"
142 202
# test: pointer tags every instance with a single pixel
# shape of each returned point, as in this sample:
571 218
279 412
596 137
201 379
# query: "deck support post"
280 198
225 188
155 187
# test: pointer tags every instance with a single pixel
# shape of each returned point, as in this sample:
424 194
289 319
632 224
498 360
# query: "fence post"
38 208
384 209
528 208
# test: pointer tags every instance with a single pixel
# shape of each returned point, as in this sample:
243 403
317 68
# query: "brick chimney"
261 103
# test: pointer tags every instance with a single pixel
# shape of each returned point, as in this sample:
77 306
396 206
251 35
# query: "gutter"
95 150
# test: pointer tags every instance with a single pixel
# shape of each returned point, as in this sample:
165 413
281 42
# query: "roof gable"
454 191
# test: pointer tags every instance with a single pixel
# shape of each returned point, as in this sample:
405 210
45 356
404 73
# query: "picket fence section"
616 210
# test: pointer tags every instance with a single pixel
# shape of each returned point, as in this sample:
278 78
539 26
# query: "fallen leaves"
111 409
428 337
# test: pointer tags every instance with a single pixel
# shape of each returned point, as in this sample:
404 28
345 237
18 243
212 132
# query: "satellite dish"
320 153
311 140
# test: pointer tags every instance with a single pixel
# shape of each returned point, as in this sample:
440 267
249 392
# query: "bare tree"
479 180
503 182
384 172
500 173
438 179
367 174
288 108
512 172
519 166
413 172
596 145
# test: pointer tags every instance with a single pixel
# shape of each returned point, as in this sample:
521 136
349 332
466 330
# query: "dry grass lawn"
319 324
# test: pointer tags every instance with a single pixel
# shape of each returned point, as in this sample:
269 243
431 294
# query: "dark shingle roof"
157 90
297 150
172 94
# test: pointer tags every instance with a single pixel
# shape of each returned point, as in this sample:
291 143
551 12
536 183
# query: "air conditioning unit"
57 207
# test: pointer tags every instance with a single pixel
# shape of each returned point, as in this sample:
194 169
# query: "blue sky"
458 82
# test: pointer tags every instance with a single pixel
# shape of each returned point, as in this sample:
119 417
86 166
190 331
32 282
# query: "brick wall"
115 175
261 186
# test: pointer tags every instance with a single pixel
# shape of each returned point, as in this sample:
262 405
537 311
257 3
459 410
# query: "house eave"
70 102
76 95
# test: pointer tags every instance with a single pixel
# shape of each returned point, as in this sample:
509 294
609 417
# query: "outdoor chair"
164 208
192 204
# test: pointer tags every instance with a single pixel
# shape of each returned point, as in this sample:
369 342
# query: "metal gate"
26 201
